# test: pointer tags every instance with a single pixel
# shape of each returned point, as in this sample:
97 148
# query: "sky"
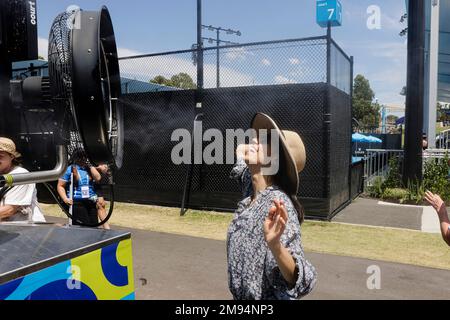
149 26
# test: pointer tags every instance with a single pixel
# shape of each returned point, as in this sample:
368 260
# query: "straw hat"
292 149
7 145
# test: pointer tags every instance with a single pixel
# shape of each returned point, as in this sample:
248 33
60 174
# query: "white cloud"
125 52
283 80
43 48
266 62
391 23
238 54
294 61
146 68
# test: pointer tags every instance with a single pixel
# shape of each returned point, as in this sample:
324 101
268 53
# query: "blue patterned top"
85 182
253 272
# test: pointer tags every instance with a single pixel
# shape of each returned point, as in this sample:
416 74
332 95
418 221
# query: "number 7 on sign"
331 11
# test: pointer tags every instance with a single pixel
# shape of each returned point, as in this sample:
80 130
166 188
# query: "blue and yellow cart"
49 262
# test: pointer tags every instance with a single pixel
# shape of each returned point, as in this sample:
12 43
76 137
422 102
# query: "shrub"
416 191
436 177
376 190
395 194
394 176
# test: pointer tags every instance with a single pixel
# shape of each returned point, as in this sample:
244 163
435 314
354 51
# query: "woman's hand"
68 202
275 224
241 150
437 203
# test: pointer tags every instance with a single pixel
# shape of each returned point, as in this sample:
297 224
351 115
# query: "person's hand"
68 202
242 150
103 168
275 224
436 201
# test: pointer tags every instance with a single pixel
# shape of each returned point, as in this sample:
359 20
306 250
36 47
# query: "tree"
365 111
442 113
181 80
161 80
391 119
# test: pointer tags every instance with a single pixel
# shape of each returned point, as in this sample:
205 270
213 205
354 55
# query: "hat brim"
15 154
288 172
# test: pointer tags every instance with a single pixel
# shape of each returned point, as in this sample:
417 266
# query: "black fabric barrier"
357 183
149 176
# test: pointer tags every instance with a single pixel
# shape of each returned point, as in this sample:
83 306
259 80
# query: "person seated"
17 204
84 199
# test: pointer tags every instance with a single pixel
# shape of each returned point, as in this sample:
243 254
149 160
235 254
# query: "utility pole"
415 92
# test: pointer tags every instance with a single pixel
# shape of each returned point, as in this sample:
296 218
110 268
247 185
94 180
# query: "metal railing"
376 164
443 140
436 154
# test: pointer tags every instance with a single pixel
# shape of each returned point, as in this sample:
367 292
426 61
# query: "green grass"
394 245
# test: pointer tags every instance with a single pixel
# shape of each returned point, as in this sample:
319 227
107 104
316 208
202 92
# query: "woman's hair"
79 157
279 182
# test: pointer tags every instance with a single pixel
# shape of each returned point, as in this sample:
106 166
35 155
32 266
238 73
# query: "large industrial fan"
81 93
85 83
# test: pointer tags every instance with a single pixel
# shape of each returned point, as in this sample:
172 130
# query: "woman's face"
6 160
256 153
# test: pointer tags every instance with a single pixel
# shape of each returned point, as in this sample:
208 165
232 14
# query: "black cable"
64 209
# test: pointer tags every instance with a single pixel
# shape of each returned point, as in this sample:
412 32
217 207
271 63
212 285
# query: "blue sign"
329 11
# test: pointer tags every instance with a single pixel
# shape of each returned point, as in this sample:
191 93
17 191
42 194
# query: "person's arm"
287 269
61 188
241 172
8 211
439 205
274 227
240 166
95 174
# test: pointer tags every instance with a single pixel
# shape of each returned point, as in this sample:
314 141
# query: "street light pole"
218 42
218 58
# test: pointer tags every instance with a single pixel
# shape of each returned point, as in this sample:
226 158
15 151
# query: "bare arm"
8 211
61 188
274 227
439 205
95 174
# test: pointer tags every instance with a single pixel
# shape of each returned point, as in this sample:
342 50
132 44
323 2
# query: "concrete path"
172 267
179 267
384 214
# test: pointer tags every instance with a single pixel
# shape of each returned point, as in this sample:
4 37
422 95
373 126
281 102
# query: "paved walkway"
178 267
377 213
168 266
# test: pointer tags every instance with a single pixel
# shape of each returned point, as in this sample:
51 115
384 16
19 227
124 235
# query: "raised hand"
275 224
436 201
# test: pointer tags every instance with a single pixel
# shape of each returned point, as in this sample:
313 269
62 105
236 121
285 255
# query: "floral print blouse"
253 272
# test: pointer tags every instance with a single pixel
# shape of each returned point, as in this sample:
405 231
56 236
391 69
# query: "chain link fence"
304 84
286 79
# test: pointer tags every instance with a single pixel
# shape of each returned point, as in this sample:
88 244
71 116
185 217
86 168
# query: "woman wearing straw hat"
264 248
18 204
